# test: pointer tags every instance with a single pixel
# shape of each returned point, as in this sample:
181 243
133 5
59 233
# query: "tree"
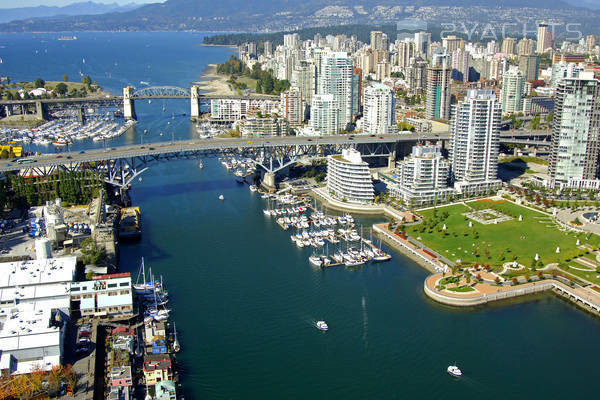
39 83
61 88
92 253
65 78
468 277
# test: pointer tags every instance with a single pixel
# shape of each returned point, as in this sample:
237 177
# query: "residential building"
405 50
337 79
562 70
258 124
526 46
422 42
383 70
157 368
379 40
590 43
234 109
165 390
348 177
474 142
513 86
439 88
509 45
415 76
529 66
423 177
292 108
452 43
303 77
576 133
325 115
120 376
379 110
544 38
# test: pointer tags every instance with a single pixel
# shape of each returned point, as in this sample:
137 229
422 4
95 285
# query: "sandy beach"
215 84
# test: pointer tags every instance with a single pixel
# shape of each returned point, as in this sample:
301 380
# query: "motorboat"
221 197
454 371
253 188
322 325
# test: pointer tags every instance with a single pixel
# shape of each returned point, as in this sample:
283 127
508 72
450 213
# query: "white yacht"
253 188
322 325
454 371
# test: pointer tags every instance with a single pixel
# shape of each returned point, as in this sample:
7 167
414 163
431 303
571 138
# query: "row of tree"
78 187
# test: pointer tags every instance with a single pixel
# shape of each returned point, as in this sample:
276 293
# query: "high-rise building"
422 42
576 133
379 110
439 88
562 70
544 38
509 45
529 66
348 177
379 40
474 142
291 41
337 79
406 50
452 43
291 106
268 48
383 70
526 46
415 76
325 115
590 42
303 77
422 177
513 86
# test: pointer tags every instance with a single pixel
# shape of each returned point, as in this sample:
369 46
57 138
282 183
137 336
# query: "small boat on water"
253 188
454 371
176 346
200 164
322 325
221 197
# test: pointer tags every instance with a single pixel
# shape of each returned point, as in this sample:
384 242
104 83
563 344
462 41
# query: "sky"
33 3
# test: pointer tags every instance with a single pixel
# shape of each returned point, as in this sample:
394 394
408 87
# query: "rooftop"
36 272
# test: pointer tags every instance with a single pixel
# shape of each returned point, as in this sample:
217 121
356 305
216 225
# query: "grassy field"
251 83
495 244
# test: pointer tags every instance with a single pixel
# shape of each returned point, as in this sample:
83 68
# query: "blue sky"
32 3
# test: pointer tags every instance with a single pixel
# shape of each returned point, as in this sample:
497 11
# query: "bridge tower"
128 103
195 102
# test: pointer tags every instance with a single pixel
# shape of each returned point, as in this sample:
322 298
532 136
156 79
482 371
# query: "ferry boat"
67 38
322 325
454 371
130 224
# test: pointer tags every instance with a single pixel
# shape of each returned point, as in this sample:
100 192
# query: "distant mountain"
83 8
277 15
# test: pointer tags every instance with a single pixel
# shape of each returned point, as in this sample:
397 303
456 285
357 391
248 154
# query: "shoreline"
484 293
213 83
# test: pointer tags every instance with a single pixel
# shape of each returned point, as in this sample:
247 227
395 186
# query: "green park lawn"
495 244
461 289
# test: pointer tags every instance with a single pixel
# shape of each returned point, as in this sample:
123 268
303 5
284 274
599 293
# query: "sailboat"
176 346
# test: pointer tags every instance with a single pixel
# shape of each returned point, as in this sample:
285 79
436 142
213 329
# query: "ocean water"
245 299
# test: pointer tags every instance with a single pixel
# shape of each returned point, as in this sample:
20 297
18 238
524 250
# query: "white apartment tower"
378 110
348 177
576 133
474 142
423 177
513 86
325 115
336 79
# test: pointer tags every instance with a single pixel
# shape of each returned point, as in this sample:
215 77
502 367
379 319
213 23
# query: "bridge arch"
165 92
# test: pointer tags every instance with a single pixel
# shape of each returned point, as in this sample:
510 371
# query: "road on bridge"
149 149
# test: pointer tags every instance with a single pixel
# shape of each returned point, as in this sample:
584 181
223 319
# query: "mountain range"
82 8
255 15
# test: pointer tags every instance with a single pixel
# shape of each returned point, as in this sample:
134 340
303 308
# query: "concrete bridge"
121 165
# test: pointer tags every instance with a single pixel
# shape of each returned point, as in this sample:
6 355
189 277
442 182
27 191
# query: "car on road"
310 140
150 148
82 152
380 137
69 157
59 156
